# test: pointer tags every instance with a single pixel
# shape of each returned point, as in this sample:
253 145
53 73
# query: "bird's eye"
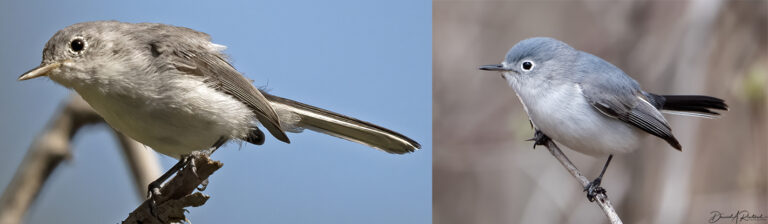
77 45
527 65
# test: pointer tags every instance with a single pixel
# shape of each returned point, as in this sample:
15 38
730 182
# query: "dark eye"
77 45
527 65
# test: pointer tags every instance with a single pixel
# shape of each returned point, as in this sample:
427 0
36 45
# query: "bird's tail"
690 105
296 116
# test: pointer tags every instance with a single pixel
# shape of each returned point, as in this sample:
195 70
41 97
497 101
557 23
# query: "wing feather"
632 109
208 63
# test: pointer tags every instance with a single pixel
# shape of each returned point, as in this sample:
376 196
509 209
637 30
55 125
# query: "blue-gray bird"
588 104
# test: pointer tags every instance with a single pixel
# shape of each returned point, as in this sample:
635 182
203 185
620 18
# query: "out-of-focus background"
484 171
366 59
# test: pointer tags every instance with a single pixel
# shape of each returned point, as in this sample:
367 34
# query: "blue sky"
367 59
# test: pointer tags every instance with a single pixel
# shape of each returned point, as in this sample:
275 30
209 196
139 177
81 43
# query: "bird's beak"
496 67
41 70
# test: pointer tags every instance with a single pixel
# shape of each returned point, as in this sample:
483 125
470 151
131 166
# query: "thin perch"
602 199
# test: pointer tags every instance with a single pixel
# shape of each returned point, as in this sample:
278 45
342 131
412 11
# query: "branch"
43 156
143 163
602 199
177 193
52 146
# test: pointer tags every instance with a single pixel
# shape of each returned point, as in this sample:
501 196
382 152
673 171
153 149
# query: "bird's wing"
630 106
208 63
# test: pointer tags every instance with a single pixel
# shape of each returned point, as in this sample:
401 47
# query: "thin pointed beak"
41 70
496 67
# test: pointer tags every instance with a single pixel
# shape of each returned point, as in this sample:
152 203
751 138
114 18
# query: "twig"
43 156
177 194
52 146
142 161
602 199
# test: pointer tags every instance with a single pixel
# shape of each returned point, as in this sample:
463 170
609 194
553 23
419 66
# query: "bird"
175 91
589 105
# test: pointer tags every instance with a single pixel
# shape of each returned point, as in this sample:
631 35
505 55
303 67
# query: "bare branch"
43 156
143 163
177 193
52 146
602 199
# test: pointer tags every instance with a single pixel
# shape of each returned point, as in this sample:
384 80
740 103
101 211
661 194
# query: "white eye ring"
527 65
77 45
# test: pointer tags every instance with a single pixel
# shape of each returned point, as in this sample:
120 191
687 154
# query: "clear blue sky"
367 59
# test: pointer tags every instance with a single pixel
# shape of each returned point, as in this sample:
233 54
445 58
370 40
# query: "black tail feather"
674 101
689 103
256 137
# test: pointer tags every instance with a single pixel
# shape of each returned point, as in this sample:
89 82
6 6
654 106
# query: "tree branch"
602 199
43 156
52 146
143 163
177 193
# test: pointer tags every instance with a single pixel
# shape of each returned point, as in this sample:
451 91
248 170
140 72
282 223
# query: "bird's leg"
154 188
539 138
217 144
185 160
593 188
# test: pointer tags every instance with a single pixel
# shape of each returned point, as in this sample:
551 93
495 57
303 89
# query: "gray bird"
173 90
588 104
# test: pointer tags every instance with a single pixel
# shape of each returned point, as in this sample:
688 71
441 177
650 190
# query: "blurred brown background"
484 171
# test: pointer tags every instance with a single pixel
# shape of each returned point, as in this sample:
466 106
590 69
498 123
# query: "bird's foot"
593 189
191 164
153 190
539 138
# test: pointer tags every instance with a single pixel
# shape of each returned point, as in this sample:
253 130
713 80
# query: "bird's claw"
539 138
593 189
153 191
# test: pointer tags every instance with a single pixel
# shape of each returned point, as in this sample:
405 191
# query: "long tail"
690 105
296 116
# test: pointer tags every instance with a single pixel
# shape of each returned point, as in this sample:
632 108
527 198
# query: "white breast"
174 115
563 114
